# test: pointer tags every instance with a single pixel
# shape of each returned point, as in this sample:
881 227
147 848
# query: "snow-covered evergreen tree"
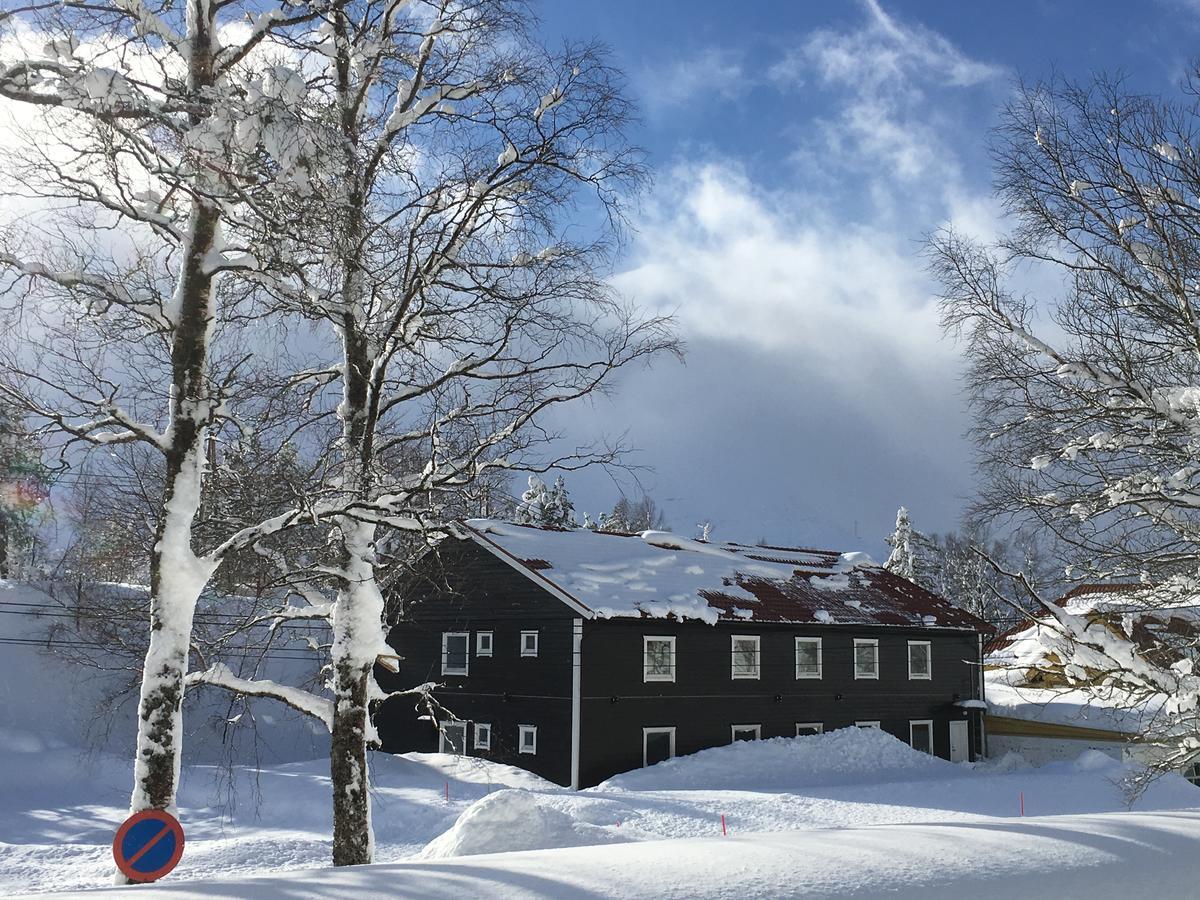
559 511
902 560
635 517
534 503
546 507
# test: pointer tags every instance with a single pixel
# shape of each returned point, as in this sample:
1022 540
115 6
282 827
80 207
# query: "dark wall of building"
465 588
704 701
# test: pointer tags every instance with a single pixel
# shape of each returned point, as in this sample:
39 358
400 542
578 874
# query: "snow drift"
514 820
843 757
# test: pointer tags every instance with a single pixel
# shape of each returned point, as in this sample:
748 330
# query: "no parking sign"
148 845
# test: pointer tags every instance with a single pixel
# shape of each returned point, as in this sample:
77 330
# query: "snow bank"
514 820
1102 857
843 757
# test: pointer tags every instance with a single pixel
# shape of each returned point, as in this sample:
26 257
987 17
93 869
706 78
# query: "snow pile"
514 820
844 757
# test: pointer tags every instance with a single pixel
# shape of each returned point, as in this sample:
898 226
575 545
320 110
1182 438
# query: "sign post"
148 845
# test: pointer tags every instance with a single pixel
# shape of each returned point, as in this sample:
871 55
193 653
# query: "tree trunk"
177 575
357 633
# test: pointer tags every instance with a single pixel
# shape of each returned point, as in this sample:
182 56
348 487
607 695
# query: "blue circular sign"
148 845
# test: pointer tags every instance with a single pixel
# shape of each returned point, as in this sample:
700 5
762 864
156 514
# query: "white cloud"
884 55
709 73
738 263
884 73
819 382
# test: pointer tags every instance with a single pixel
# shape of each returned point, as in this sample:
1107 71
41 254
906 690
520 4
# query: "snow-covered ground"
840 814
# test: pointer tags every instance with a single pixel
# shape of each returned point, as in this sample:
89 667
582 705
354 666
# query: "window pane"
802 730
922 738
456 651
749 733
808 659
864 657
745 657
658 658
918 659
454 738
658 746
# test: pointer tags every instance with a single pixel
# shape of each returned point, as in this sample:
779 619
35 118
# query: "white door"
959 745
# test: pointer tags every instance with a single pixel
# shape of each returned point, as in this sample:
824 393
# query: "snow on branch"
310 704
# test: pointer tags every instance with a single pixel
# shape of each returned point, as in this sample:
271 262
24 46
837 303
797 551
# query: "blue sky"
800 151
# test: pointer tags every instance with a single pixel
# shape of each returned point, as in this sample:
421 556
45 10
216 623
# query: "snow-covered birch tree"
1085 386
117 247
454 240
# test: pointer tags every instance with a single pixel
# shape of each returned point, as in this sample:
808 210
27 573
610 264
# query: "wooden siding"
1007 726
506 690
705 701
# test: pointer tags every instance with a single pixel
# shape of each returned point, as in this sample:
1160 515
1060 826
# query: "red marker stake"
723 829
447 792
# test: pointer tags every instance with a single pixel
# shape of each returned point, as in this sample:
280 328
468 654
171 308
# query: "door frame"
657 729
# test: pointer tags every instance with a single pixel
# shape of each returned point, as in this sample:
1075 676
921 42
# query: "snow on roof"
1137 609
658 574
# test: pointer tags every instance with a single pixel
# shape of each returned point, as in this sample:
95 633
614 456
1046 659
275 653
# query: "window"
454 652
745 656
920 660
529 643
745 732
920 735
807 728
866 658
658 658
483 736
483 643
867 724
453 737
658 744
808 657
1192 773
528 741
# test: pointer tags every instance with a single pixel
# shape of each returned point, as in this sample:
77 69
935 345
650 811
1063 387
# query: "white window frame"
1191 771
483 736
733 673
913 723
657 729
647 676
819 727
928 676
466 636
734 729
867 723
529 651
820 659
859 642
523 730
480 650
443 744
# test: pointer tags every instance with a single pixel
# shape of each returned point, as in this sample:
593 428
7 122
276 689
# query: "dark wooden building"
578 655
